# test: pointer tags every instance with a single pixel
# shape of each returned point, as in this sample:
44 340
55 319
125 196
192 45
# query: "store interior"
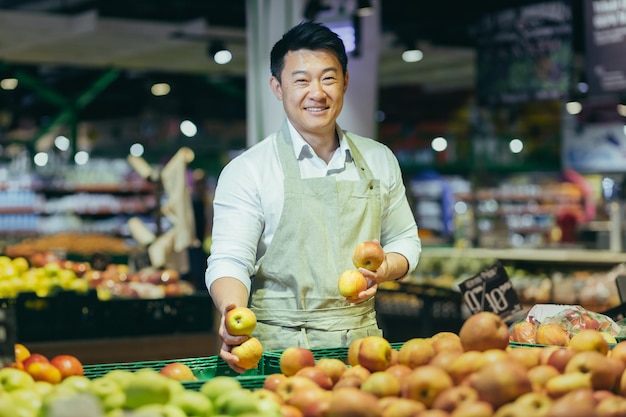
499 190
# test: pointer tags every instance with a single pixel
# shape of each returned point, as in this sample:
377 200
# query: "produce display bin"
410 310
69 315
204 368
120 317
63 316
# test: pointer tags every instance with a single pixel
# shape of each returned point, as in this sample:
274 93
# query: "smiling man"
289 211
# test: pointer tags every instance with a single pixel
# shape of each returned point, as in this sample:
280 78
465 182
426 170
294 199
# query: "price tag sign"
491 290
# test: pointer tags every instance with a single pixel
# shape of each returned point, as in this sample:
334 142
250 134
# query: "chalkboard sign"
491 290
524 54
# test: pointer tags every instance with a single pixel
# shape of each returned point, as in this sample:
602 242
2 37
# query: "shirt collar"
303 150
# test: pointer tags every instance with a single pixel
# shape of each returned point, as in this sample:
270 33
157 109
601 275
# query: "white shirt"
249 199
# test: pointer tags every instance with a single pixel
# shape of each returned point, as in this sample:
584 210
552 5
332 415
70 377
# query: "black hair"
307 35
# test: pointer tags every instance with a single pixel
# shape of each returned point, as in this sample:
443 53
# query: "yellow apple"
240 321
368 255
295 358
589 339
249 353
375 353
351 282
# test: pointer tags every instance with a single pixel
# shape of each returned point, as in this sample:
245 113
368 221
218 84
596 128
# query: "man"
290 210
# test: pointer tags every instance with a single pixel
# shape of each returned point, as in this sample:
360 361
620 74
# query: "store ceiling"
66 44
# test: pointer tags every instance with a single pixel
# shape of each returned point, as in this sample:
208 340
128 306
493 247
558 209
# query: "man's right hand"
228 342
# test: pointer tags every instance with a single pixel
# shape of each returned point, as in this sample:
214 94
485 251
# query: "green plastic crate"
250 382
204 368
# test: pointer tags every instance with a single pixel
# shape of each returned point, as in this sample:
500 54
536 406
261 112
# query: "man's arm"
228 293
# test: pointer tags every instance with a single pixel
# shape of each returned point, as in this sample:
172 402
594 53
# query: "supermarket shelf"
558 255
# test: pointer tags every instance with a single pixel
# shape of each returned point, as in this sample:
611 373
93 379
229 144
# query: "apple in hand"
240 321
178 371
68 365
249 353
369 255
351 282
295 358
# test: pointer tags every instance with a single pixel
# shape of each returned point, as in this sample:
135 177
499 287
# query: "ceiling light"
8 83
220 54
412 55
160 89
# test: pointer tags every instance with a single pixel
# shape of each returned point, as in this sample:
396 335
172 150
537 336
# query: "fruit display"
78 243
558 325
447 375
45 274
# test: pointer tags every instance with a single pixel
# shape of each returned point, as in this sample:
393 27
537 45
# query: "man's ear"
276 88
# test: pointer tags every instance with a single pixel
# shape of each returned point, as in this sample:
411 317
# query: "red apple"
601 368
273 380
240 321
68 365
375 353
400 407
450 398
473 409
347 402
619 351
577 403
351 282
560 357
317 375
178 371
285 389
368 255
34 357
539 375
382 384
500 382
356 371
249 353
415 352
425 383
353 352
589 339
295 358
484 330
333 367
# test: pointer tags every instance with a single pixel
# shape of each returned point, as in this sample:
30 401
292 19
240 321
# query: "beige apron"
294 293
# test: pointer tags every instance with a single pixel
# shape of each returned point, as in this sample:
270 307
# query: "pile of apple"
475 373
34 386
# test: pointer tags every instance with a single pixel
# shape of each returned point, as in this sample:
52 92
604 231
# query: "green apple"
113 401
7 407
236 402
159 410
103 387
27 399
77 383
193 403
13 378
147 388
78 404
43 387
268 408
218 385
175 386
121 376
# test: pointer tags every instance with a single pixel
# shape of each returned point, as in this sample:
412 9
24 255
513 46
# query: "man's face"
312 88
